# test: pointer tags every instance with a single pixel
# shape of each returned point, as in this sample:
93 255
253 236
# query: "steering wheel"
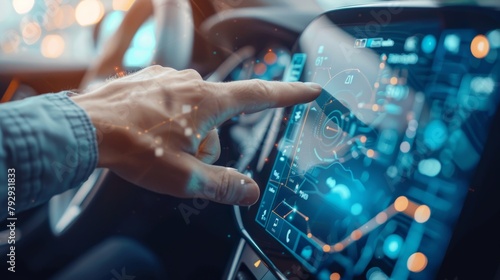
175 36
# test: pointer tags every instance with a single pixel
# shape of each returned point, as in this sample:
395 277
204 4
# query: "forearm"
50 143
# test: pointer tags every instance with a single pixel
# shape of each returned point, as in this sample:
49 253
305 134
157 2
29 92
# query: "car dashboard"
387 174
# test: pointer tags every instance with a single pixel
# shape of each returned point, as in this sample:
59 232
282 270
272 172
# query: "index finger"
251 96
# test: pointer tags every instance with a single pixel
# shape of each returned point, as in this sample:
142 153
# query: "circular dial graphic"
348 106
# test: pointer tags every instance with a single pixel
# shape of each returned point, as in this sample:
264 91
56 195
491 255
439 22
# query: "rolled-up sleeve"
49 143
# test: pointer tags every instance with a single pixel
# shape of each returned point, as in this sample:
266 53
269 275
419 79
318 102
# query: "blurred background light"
62 17
89 12
122 5
52 46
10 41
31 31
23 6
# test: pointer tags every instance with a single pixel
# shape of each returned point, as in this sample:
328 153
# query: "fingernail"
314 86
250 194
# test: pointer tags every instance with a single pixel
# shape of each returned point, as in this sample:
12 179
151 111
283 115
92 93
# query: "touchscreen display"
370 178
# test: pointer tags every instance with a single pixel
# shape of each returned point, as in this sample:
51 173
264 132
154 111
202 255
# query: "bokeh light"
401 203
23 6
31 32
335 276
417 262
480 46
52 46
392 246
122 5
270 58
422 214
259 69
63 17
89 12
10 41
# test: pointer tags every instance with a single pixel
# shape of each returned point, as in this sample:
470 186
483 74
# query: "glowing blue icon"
411 44
297 116
429 167
276 174
356 209
435 135
321 49
392 246
452 43
494 38
375 273
342 191
330 182
306 252
428 43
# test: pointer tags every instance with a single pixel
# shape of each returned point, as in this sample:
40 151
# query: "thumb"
226 185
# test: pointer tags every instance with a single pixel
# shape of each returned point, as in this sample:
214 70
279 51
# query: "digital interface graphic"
370 178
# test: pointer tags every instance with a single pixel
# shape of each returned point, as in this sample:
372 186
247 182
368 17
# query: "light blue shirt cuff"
50 142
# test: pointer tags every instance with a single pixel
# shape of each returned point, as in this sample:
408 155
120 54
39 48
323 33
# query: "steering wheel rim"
174 45
175 33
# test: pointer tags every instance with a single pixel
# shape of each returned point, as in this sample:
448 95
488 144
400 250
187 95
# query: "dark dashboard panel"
369 180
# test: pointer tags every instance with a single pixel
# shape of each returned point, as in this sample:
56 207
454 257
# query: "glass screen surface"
370 178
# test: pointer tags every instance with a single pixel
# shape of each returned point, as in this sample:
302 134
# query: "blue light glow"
392 246
428 44
429 167
356 209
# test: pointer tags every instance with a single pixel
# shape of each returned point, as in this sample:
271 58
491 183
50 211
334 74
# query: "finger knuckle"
156 68
224 186
191 73
262 89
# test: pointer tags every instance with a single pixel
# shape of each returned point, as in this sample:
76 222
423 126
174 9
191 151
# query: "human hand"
157 129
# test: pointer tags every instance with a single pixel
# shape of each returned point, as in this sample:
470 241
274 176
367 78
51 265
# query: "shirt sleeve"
49 145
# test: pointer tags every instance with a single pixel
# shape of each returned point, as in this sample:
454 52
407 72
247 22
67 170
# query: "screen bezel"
278 257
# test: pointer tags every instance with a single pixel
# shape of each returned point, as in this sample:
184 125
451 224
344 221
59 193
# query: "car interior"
388 174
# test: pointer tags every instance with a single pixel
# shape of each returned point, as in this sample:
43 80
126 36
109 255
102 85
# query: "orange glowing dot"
422 214
394 80
259 69
309 235
338 247
375 107
401 203
480 46
306 218
335 276
370 153
376 84
417 262
52 46
381 65
356 235
381 218
270 58
326 248
362 139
